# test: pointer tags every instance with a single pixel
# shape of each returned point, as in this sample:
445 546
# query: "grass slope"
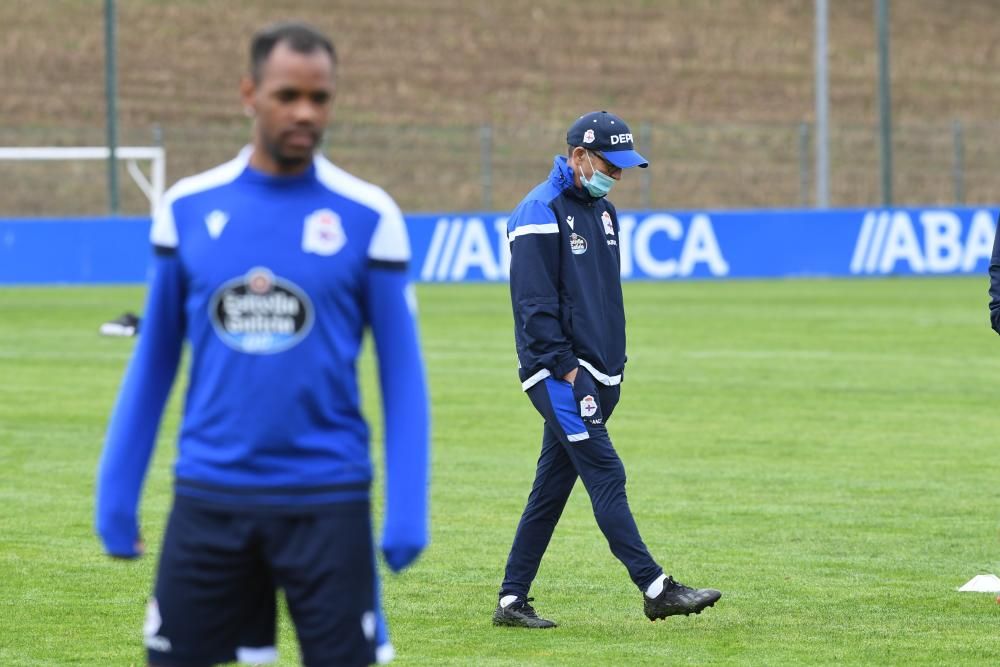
822 451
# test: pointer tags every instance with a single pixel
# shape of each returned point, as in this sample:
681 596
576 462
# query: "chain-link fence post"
958 163
486 164
646 143
804 164
111 102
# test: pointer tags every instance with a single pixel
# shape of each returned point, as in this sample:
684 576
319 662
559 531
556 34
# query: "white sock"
507 599
656 587
384 653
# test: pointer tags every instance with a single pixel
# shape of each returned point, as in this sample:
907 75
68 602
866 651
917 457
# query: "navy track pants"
575 443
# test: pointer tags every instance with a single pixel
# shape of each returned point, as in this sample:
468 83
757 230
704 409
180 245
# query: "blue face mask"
599 184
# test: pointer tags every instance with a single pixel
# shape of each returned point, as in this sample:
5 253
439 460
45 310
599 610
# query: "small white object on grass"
982 583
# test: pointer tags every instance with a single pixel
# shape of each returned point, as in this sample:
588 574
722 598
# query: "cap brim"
625 159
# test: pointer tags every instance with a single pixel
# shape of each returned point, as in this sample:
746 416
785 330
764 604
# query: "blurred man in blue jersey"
272 266
569 329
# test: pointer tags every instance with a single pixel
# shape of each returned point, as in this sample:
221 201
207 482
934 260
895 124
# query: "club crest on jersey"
588 406
577 244
609 228
323 233
260 313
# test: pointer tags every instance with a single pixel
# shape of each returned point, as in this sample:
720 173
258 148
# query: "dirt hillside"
722 88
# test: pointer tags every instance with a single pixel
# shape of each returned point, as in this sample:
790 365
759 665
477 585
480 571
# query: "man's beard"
289 162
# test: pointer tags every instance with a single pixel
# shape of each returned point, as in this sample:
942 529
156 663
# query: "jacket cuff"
564 364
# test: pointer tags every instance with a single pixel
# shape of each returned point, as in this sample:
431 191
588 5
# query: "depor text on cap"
609 135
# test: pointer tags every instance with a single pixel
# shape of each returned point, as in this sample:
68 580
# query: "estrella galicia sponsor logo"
577 244
260 313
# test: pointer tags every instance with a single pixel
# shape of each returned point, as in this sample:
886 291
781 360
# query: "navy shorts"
214 598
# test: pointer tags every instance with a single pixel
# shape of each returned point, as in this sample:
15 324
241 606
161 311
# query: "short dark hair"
300 37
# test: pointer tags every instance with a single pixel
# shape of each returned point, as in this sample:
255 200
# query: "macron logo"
216 222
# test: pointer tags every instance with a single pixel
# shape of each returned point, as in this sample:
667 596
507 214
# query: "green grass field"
824 452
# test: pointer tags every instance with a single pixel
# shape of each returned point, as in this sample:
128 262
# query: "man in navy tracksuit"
569 327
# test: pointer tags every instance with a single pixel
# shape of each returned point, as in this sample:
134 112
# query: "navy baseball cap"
609 135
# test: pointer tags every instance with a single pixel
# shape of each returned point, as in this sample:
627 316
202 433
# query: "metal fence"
433 168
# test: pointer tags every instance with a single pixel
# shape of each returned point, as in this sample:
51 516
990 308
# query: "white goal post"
152 187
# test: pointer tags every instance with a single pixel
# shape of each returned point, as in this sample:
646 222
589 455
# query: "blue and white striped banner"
655 245
658 245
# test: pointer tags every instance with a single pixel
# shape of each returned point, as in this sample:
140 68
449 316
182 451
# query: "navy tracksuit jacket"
565 282
565 286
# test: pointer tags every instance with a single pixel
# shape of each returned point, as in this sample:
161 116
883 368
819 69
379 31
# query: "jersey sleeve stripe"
389 241
548 228
163 233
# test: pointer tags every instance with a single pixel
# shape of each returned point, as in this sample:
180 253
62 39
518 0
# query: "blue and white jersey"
273 281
